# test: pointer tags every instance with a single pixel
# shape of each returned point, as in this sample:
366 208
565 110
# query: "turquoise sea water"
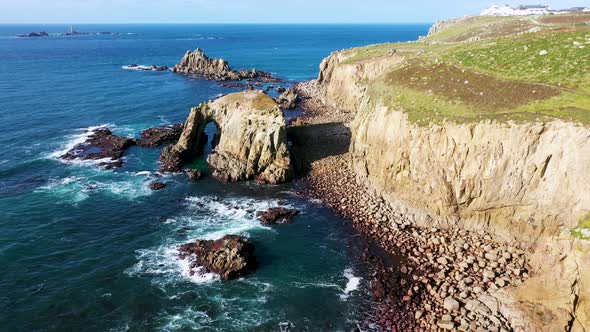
87 249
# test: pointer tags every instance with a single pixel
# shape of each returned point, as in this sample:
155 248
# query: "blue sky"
245 11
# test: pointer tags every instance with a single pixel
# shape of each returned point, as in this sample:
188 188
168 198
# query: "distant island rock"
34 34
72 32
197 63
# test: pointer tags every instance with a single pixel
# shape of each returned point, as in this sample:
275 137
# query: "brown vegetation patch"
479 90
566 19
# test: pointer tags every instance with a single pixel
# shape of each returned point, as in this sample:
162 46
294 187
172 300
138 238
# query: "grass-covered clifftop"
477 68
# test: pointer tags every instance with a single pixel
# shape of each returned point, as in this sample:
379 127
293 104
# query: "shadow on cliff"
313 142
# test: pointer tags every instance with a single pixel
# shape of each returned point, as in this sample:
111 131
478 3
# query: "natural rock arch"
252 139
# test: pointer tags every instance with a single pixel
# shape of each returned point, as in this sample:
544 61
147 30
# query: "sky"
247 11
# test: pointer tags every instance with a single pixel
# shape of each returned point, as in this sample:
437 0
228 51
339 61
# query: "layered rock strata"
252 140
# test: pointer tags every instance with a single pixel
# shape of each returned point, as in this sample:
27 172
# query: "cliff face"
252 139
343 85
525 182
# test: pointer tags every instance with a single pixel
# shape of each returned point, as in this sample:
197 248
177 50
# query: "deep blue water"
87 249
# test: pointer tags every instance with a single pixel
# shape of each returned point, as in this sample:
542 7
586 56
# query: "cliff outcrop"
252 139
525 182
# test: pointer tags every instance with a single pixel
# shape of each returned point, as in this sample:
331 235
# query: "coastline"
419 274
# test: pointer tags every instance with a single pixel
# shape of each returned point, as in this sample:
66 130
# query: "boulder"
229 257
154 137
288 99
101 144
277 214
252 143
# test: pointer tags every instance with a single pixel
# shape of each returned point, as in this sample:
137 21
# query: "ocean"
83 248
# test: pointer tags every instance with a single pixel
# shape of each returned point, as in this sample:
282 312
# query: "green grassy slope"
501 68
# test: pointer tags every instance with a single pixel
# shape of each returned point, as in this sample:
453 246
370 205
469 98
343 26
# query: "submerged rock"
252 143
137 67
102 144
153 137
288 99
157 186
277 214
229 257
197 63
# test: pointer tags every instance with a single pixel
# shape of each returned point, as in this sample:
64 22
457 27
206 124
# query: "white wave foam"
75 189
205 218
188 319
141 68
70 189
75 139
352 284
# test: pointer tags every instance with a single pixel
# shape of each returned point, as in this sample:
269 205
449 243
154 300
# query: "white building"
506 10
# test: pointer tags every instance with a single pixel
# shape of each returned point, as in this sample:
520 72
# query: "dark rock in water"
153 137
34 34
278 214
102 144
194 175
229 257
232 85
280 89
197 63
288 99
157 186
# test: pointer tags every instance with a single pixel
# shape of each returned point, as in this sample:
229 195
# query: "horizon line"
211 23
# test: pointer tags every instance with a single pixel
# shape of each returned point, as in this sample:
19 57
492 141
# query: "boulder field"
251 140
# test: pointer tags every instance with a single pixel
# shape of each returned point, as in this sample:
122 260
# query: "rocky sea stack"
230 257
251 144
197 63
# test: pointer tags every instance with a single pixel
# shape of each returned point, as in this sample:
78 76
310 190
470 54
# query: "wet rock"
155 186
229 257
233 85
154 137
102 144
194 175
277 215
